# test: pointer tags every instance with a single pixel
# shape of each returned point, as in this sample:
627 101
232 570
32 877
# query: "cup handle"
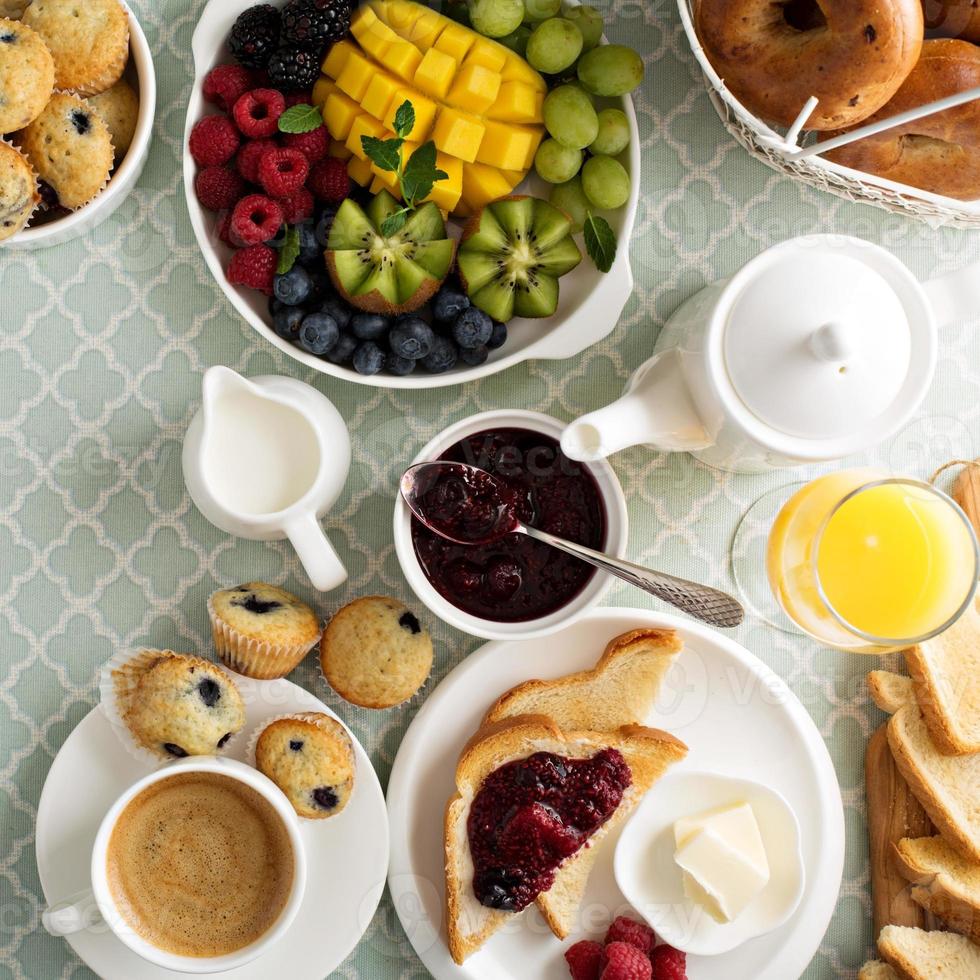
316 553
65 918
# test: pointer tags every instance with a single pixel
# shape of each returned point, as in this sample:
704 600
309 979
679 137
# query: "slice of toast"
918 955
618 691
647 751
876 970
943 882
946 672
947 786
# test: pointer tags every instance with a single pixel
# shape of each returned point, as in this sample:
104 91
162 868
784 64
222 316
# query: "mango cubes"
479 102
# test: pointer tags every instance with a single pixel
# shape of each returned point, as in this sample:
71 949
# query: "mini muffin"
26 75
89 41
119 106
260 630
176 705
70 148
375 653
18 191
310 758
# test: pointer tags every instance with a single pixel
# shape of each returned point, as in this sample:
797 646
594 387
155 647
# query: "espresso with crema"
200 864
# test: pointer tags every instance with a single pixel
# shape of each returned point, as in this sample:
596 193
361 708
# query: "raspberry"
249 156
329 180
225 85
584 960
218 188
257 112
256 219
282 172
254 267
223 229
620 961
297 98
213 141
668 964
298 207
638 934
313 145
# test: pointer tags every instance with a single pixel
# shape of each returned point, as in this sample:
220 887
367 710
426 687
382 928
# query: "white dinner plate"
347 854
737 717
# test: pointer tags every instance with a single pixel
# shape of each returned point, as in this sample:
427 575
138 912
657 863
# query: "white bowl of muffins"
77 101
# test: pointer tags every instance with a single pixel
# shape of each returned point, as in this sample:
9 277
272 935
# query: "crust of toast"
918 955
876 970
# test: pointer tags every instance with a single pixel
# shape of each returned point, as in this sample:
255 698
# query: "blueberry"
322 286
399 366
411 337
325 797
223 741
369 358
253 604
318 333
474 357
473 328
448 304
369 326
338 309
286 321
343 350
442 356
408 621
295 744
175 750
294 287
499 335
310 250
275 305
210 692
81 121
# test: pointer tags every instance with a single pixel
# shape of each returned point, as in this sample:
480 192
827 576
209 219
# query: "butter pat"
723 859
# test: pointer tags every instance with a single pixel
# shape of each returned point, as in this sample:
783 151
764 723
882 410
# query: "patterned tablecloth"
103 345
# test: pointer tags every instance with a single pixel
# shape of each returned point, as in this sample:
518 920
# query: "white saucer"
347 854
738 719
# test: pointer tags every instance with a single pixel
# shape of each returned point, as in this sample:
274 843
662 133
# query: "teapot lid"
818 343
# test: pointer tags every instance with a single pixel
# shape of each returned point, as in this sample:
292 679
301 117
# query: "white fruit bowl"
590 305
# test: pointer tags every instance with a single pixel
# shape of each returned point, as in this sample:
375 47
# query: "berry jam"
514 578
531 814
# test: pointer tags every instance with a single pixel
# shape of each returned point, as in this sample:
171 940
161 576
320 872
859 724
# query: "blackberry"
255 36
294 68
315 22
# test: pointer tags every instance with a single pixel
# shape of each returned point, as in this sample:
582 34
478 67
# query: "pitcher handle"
316 553
70 916
956 295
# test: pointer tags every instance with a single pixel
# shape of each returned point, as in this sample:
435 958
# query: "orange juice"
868 564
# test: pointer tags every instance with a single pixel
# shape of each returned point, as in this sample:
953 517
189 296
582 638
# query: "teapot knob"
831 342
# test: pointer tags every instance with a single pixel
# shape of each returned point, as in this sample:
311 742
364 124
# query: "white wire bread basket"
796 154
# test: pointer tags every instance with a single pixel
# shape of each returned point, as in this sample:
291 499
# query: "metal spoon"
482 509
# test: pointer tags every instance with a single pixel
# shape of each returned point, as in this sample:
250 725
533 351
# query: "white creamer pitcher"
820 347
264 459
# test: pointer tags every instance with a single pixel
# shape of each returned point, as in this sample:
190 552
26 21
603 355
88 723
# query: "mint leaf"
420 174
600 242
288 251
300 119
394 222
404 119
385 153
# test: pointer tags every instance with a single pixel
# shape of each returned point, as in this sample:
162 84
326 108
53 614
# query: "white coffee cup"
97 908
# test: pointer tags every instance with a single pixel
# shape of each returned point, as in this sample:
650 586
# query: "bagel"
952 18
851 54
938 153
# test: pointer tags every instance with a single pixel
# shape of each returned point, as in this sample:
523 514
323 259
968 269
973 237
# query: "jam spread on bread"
531 814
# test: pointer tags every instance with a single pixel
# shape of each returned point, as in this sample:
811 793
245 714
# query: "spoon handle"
701 601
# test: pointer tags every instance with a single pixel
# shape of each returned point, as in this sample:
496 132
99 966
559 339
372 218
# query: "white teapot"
818 348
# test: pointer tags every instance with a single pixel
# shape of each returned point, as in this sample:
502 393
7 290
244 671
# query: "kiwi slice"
389 274
512 254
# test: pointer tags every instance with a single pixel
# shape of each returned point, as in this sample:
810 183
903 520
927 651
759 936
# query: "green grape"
556 163
605 182
588 21
614 133
570 116
570 198
610 69
517 40
554 45
536 11
496 18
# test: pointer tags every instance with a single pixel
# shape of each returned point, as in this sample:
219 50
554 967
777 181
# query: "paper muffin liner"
37 189
254 658
111 73
117 684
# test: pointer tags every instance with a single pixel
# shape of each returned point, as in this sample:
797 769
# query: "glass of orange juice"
868 563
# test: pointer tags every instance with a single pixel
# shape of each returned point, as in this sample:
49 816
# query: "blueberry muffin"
18 191
175 704
375 653
14 9
260 630
119 106
310 758
70 148
26 75
88 40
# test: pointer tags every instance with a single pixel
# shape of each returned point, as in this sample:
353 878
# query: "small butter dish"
653 882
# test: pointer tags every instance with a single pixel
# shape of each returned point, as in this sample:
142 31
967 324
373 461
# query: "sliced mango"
489 54
518 102
337 57
476 88
508 147
403 59
455 40
446 193
359 171
483 184
425 113
339 112
364 125
380 93
458 134
435 73
355 76
323 87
